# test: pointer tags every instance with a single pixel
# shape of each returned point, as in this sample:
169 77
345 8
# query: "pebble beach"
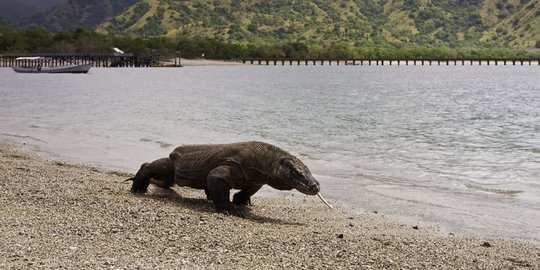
57 215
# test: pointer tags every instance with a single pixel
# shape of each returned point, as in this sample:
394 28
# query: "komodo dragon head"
291 173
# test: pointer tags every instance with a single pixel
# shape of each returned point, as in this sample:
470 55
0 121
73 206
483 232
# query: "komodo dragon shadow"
172 196
218 168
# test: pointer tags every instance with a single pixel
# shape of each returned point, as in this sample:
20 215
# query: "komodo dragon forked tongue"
324 201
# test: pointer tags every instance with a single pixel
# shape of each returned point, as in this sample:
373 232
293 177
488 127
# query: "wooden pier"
390 62
54 60
153 61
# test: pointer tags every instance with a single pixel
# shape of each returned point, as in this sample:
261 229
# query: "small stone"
415 227
340 236
486 244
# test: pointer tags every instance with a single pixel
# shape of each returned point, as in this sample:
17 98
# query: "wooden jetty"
381 62
54 60
155 61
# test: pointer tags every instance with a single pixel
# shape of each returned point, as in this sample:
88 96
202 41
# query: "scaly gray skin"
218 168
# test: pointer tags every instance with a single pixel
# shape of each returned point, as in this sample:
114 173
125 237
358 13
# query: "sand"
202 62
57 215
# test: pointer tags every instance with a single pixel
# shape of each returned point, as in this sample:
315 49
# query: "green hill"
516 22
246 21
454 23
381 23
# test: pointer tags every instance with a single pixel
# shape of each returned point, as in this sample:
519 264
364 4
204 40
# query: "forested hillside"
340 23
453 23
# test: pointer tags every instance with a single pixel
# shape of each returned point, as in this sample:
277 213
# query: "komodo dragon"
218 168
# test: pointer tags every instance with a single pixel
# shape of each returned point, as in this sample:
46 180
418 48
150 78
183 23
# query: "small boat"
40 65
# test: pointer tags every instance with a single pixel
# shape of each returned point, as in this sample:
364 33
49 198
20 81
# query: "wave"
507 192
22 137
160 143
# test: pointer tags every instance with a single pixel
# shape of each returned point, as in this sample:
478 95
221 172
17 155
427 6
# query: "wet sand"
59 215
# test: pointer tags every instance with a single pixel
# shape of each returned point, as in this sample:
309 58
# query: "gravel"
57 215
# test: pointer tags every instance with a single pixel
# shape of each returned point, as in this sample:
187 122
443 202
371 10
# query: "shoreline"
203 63
57 214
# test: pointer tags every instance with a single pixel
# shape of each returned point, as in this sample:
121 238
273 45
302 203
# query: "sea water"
457 147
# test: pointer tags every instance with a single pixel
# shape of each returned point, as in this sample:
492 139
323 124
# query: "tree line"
82 41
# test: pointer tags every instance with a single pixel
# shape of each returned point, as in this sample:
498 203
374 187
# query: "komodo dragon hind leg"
160 172
219 191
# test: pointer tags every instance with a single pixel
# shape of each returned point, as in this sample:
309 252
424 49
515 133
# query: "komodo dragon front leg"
243 197
219 183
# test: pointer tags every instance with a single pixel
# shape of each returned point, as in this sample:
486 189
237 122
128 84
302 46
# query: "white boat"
40 65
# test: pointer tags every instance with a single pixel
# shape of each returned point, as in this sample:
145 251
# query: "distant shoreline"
57 215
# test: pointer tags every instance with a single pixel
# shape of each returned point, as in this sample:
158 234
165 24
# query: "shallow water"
454 146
